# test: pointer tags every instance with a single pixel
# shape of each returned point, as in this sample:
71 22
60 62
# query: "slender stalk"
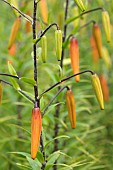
9 75
85 25
54 99
68 21
65 79
21 13
43 33
34 54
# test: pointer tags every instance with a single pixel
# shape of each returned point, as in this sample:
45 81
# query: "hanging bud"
98 90
74 54
80 5
107 26
97 37
1 92
44 10
15 3
36 128
94 50
105 88
71 108
44 48
106 58
28 24
12 50
58 40
14 32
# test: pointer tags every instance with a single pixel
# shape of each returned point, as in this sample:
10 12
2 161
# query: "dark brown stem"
65 79
9 75
61 89
85 25
34 55
43 33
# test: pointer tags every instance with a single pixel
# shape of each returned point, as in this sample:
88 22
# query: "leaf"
33 164
51 159
15 84
11 69
28 80
58 137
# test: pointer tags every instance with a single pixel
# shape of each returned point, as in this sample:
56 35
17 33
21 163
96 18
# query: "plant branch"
43 152
43 33
21 13
65 31
18 90
65 79
9 75
34 54
68 21
61 89
85 25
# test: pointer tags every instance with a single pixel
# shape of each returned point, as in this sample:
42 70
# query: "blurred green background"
90 145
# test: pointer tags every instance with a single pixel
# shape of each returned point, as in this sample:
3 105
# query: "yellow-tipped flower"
98 39
44 48
44 10
71 108
74 54
36 128
80 5
105 88
1 92
14 32
58 40
98 90
107 26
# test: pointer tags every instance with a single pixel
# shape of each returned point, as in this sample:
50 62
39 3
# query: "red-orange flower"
74 54
12 50
105 88
36 128
94 50
44 10
98 39
71 108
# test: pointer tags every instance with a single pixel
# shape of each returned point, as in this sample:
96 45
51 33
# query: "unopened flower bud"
74 54
98 90
14 32
71 108
80 5
44 48
36 128
58 40
107 26
98 39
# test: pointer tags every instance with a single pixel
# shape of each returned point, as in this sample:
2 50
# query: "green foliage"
90 145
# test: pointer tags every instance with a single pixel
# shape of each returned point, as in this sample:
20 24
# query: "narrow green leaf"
11 69
33 164
28 80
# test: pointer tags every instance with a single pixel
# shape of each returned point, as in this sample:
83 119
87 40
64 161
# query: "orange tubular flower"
74 54
14 31
36 128
105 88
44 10
94 50
98 39
71 108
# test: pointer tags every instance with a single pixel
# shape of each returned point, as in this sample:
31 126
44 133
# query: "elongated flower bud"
107 26
74 54
94 50
36 128
12 50
58 40
28 24
14 32
44 10
97 37
44 48
105 88
1 92
98 90
80 5
106 58
71 108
